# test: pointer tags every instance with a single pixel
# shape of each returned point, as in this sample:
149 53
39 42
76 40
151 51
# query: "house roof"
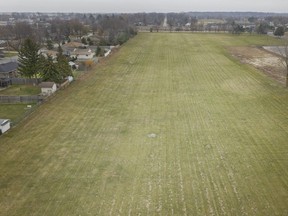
8 67
73 44
49 52
3 121
46 84
82 52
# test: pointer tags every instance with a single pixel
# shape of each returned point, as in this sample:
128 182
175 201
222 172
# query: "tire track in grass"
136 180
203 120
179 108
211 141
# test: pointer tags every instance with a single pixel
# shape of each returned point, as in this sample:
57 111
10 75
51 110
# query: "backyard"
171 124
14 90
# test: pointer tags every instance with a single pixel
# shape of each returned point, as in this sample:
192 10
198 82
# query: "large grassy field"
169 125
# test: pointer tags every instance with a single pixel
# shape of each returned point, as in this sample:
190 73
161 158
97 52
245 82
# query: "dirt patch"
265 61
152 135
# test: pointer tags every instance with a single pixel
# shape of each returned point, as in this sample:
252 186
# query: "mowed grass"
14 112
21 90
169 125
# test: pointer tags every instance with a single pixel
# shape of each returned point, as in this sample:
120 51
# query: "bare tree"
282 51
284 55
15 35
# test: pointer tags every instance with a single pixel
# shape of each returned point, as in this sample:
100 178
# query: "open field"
172 125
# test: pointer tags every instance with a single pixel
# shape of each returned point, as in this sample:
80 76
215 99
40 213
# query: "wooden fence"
21 99
25 81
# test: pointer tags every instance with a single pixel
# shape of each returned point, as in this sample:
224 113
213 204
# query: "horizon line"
208 11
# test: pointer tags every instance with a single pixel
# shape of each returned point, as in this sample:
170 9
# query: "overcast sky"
131 6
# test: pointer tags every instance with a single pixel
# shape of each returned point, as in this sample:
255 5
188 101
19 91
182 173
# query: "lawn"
14 112
21 90
169 125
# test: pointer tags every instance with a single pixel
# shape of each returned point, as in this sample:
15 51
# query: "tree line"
109 29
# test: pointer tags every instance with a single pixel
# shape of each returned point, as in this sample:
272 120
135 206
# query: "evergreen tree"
98 51
29 59
63 66
49 45
49 70
262 28
55 71
84 41
280 31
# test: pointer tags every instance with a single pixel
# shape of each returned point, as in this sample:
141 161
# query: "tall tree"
28 58
284 57
55 71
49 45
16 34
280 31
49 70
63 65
262 28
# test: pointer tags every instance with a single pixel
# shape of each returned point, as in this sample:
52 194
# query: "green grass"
21 90
14 112
170 125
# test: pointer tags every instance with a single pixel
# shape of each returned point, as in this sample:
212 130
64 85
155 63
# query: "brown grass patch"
265 61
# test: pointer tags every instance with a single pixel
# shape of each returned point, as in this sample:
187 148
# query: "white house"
48 88
4 125
82 54
46 53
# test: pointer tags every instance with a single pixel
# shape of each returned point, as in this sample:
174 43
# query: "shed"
4 125
48 88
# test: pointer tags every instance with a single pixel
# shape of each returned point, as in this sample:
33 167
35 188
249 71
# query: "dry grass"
263 60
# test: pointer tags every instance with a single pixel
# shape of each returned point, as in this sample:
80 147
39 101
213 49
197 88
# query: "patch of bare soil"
265 61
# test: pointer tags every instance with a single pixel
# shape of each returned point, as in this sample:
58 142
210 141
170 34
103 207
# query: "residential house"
4 125
78 51
47 53
73 44
82 54
8 70
48 88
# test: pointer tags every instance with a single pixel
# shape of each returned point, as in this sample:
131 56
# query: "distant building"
46 53
73 44
8 70
82 54
3 23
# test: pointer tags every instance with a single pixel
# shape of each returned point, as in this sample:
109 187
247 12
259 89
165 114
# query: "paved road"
5 60
280 50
